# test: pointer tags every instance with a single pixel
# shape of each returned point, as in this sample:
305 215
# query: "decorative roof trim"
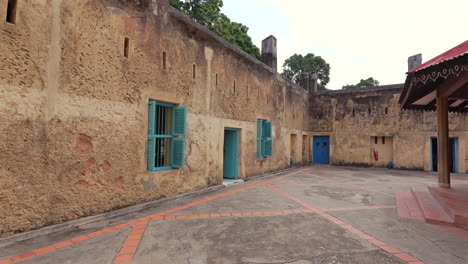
443 73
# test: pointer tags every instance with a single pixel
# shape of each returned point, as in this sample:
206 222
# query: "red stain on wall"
82 183
120 180
84 144
89 163
105 166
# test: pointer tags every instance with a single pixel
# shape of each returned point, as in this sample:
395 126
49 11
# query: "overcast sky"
358 38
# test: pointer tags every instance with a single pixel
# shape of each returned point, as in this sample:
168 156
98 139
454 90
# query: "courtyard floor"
317 214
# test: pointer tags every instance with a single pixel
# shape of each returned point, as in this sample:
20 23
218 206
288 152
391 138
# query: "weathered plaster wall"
74 109
73 128
357 116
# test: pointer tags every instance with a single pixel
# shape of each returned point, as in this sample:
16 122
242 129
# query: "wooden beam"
443 141
461 107
461 94
451 85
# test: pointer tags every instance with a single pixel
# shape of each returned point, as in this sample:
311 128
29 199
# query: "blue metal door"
321 149
231 153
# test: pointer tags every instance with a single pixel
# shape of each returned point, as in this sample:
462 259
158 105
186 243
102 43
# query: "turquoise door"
231 153
321 150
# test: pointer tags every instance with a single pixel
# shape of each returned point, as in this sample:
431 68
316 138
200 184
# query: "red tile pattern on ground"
130 246
397 253
157 216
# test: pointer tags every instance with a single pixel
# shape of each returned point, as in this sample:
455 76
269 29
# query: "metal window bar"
163 135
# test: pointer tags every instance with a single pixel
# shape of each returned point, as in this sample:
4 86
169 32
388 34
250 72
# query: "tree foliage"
208 14
362 83
296 65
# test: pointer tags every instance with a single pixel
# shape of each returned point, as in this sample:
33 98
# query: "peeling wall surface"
74 122
74 110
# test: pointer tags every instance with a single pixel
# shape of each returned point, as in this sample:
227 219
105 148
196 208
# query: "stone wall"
352 118
74 122
73 128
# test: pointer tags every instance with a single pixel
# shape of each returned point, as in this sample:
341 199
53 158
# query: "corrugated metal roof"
451 54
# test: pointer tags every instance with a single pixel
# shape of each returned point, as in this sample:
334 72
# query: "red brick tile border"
130 246
24 256
397 253
157 216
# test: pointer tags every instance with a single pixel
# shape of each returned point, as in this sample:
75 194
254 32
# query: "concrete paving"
317 214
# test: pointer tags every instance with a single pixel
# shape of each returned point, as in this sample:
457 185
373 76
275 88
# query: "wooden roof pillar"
443 141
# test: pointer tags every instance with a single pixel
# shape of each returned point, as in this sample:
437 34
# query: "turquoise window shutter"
179 121
151 153
178 152
259 128
268 147
259 139
151 150
259 148
151 117
267 126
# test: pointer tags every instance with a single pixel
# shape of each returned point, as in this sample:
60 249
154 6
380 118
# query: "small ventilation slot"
126 47
11 11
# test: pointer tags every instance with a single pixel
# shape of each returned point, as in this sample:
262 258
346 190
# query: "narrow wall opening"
11 11
126 47
164 60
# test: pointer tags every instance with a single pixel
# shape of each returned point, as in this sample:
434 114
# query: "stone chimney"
414 61
313 82
308 81
269 55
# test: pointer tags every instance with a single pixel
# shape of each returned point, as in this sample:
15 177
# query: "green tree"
208 14
176 4
296 65
362 83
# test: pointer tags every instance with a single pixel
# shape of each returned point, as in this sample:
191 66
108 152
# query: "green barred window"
167 128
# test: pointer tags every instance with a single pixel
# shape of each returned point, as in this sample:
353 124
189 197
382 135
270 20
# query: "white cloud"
359 38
